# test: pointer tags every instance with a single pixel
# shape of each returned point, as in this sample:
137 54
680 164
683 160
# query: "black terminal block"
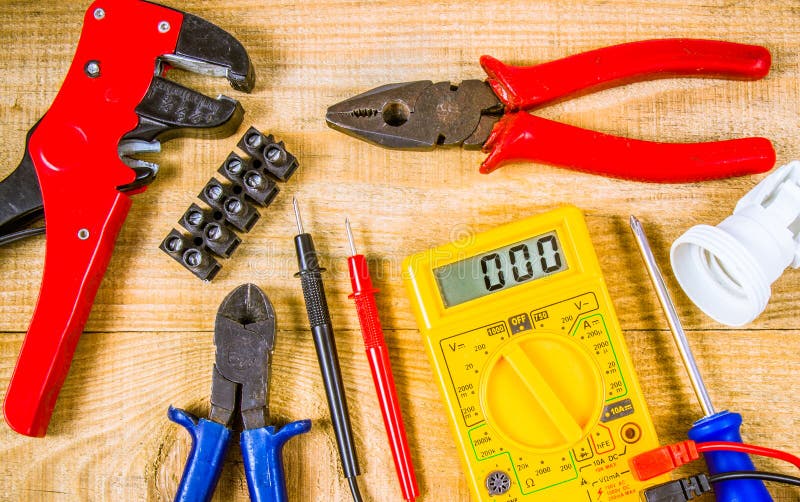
269 155
199 261
213 234
250 181
230 203
256 183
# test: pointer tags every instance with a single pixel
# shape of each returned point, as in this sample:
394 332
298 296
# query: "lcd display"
500 269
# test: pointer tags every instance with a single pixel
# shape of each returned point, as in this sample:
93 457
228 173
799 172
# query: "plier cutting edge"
485 114
244 336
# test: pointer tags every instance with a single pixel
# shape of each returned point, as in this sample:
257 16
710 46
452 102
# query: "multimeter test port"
531 363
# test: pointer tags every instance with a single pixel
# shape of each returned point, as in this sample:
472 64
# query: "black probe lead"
319 318
685 489
764 476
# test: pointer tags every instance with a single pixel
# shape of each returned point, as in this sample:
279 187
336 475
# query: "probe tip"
297 215
635 223
350 237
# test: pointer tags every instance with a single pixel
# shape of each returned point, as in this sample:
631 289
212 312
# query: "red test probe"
378 356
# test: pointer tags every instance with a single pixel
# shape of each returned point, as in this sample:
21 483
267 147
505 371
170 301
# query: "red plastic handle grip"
523 87
69 284
364 297
74 152
525 137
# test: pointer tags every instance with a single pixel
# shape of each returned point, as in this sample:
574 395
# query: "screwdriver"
714 426
319 318
378 357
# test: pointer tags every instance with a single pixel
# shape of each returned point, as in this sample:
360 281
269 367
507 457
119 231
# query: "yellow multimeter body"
531 362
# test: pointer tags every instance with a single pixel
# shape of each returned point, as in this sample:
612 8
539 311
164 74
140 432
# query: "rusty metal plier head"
244 336
490 114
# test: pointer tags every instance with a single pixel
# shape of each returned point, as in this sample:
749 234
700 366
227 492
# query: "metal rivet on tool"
92 69
163 27
99 13
83 234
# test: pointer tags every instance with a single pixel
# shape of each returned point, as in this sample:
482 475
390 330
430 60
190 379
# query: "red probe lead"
378 356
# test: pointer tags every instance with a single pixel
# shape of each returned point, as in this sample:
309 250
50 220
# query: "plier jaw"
245 339
422 115
419 115
205 48
79 170
244 336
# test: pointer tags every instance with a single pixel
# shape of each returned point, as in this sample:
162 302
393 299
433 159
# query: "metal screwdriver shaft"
714 426
319 318
672 317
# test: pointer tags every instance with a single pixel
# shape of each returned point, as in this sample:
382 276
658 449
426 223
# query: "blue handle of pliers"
262 451
203 467
724 426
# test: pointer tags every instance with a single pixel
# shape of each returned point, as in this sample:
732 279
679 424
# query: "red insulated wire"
378 357
664 459
750 449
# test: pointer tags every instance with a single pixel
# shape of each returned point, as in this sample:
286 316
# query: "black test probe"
319 318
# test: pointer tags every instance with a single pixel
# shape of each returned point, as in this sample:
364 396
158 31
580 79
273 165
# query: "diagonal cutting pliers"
244 335
490 114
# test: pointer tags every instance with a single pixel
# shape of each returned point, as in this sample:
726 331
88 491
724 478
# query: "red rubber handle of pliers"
519 137
74 152
524 137
523 87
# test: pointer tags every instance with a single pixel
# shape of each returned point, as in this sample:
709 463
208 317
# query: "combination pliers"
79 169
490 115
244 336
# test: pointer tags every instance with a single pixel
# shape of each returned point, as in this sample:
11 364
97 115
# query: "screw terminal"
194 258
248 183
256 183
208 232
268 154
230 202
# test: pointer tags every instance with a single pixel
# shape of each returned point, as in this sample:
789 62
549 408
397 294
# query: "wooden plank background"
148 343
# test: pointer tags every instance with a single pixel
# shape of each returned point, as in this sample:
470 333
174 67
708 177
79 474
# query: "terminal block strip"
250 181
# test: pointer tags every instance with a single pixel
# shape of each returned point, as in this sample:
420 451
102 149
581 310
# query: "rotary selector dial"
542 392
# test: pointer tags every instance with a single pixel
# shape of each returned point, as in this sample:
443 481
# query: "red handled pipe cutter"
490 114
78 170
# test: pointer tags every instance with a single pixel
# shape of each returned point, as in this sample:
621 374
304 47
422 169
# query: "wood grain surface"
148 342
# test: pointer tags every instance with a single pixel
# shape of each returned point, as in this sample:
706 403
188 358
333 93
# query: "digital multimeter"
531 362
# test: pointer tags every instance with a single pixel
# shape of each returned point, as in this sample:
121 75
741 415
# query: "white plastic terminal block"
727 270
